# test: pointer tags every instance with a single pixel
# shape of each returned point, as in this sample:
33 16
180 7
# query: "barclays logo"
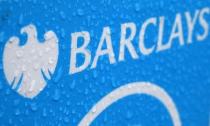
28 67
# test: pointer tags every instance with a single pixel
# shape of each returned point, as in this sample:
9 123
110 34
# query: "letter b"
82 50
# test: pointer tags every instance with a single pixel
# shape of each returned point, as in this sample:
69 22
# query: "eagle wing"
12 61
50 54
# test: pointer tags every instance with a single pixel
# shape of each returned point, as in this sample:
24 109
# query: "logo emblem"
27 67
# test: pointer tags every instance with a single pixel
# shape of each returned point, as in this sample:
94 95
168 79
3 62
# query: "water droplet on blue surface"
73 84
129 114
56 95
20 21
63 16
1 85
1 37
137 7
17 112
44 113
80 12
33 106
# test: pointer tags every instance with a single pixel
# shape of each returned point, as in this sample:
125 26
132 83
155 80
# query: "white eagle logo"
28 67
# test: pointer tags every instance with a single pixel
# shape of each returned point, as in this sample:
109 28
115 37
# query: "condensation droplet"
19 54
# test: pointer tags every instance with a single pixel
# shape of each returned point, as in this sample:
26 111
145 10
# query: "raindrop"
94 74
56 96
80 12
72 85
36 66
1 66
51 60
16 102
137 7
19 54
23 68
8 92
1 86
63 33
47 49
1 114
63 16
44 113
66 119
94 110
33 106
129 115
20 21
1 37
17 112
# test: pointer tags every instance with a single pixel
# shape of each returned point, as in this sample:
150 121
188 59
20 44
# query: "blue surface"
183 71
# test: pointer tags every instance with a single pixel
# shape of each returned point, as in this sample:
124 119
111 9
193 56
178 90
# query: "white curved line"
130 89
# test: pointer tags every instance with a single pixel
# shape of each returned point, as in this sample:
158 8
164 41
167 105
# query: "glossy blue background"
183 71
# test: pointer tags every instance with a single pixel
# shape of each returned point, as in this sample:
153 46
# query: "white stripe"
130 89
